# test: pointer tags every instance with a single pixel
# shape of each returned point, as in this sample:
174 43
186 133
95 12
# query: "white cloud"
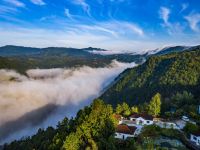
60 87
121 28
99 28
51 17
72 35
164 14
117 1
68 14
7 9
110 52
172 28
16 3
38 2
135 29
194 20
84 5
111 35
184 6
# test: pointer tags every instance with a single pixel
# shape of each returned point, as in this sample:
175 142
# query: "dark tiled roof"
125 129
143 115
196 133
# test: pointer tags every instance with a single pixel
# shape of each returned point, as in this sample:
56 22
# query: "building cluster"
132 126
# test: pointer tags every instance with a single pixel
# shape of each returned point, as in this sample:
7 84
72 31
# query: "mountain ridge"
166 74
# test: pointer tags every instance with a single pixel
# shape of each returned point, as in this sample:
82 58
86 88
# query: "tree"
95 131
155 105
126 109
134 109
190 128
119 109
123 109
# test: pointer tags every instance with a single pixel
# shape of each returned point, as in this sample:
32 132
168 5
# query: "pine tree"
155 105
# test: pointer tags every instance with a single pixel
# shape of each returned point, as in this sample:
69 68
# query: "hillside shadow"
30 119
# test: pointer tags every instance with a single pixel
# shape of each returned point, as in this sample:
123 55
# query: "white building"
123 132
195 137
185 118
167 125
142 119
180 123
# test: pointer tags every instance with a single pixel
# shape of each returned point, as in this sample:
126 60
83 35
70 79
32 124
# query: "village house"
141 119
124 131
195 137
180 123
167 124
185 118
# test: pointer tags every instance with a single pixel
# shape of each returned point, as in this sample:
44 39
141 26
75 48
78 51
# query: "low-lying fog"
46 96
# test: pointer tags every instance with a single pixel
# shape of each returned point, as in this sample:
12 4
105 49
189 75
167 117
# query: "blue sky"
126 25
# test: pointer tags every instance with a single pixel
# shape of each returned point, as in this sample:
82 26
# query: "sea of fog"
46 96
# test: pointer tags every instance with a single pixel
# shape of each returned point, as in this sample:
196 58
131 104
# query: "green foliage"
23 58
184 98
95 131
144 107
190 128
123 109
40 141
150 131
72 142
155 105
134 109
167 74
148 144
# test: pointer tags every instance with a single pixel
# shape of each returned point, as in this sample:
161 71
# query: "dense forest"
92 127
175 76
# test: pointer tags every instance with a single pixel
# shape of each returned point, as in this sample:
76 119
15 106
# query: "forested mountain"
92 128
175 76
167 74
23 58
171 49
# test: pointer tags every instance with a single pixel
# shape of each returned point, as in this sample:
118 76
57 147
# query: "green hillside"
167 74
24 58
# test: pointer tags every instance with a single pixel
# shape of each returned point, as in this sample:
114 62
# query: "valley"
160 73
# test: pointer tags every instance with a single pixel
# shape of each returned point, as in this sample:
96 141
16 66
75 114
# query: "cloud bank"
45 96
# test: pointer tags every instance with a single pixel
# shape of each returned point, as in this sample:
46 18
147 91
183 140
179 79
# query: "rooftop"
143 115
196 133
125 129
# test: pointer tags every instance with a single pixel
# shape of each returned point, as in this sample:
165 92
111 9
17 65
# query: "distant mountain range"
22 58
171 49
11 51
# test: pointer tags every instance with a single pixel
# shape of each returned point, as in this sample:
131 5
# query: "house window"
194 138
140 122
